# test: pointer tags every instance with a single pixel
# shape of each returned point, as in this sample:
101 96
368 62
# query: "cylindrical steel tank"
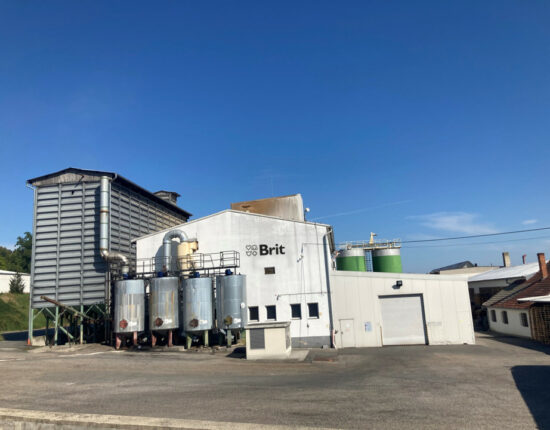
164 303
231 309
197 305
351 259
387 260
129 306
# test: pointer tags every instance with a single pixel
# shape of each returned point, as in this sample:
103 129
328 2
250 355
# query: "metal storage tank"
197 305
352 259
231 311
129 306
387 260
164 303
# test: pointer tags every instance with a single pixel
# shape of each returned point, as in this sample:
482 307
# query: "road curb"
19 419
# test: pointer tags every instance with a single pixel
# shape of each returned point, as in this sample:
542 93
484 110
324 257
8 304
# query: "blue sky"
410 119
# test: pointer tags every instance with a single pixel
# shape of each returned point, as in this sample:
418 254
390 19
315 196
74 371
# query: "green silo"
387 260
351 259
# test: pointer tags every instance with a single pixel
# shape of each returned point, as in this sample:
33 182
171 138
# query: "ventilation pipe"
109 257
167 245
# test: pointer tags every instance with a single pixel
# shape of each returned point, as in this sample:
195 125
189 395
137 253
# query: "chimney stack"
506 259
542 265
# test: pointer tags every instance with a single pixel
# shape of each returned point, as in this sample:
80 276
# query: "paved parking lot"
498 383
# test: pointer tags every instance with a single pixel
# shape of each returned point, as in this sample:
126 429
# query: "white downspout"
109 257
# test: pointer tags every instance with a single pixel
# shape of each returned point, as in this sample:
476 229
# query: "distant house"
461 268
484 286
521 309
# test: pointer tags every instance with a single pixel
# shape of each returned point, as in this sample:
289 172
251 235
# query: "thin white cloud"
530 221
455 222
356 211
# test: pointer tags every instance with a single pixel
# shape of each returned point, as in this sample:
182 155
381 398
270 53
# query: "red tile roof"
534 286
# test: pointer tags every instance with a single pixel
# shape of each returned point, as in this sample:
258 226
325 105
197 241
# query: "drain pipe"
167 245
109 257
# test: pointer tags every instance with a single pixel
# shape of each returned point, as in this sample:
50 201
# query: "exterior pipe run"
109 257
167 245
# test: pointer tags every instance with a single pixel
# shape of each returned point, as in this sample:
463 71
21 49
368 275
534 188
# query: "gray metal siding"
66 264
132 215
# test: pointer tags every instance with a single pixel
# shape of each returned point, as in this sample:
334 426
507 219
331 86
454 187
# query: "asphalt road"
494 384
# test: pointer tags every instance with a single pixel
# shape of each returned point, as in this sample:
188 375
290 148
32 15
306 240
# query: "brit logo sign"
263 249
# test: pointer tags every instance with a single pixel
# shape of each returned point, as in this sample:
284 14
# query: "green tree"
16 284
18 260
22 253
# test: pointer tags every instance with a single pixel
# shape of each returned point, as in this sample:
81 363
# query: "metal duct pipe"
167 245
109 257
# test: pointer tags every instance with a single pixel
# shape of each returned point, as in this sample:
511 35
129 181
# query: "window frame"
309 305
292 308
493 315
524 319
504 316
267 308
250 315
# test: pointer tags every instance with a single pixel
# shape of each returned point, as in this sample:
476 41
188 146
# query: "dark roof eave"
117 177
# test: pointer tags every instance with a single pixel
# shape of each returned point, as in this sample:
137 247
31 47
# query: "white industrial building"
6 276
376 309
291 277
285 262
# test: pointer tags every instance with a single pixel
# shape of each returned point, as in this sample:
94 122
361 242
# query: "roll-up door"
403 320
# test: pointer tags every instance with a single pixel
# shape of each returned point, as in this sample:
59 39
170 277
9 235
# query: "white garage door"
402 320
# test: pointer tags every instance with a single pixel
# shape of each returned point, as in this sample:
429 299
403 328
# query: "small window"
505 317
269 270
253 313
493 315
524 320
296 310
271 312
313 309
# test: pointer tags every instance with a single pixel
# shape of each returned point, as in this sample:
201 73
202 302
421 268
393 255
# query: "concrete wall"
514 326
355 295
300 272
5 277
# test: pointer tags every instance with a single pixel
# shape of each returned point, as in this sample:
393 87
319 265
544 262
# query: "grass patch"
14 313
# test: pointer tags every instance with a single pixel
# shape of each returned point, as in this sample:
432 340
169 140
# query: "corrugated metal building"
66 262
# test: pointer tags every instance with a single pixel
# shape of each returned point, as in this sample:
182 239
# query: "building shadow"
238 352
519 341
533 382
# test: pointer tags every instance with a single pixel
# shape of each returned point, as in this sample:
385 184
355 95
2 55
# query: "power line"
475 235
477 243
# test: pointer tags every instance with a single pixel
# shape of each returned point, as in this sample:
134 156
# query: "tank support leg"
206 338
189 340
135 338
46 342
118 341
170 338
56 326
153 339
81 325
